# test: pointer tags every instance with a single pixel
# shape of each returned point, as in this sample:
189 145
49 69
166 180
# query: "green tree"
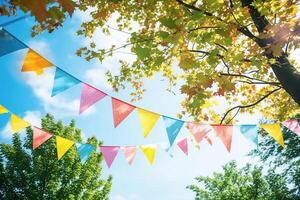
37 174
246 183
237 49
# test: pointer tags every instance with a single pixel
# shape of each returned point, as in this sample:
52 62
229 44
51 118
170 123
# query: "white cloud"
33 117
96 76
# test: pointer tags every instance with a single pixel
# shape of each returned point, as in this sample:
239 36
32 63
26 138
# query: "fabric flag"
275 131
291 124
250 132
9 43
208 140
62 81
224 132
121 110
3 110
109 153
167 148
39 137
149 151
35 62
173 127
129 153
84 151
148 120
89 96
62 146
199 131
183 145
17 124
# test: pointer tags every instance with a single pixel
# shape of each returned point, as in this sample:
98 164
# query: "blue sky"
29 96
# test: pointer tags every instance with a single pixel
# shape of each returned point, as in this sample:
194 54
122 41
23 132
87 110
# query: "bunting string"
198 133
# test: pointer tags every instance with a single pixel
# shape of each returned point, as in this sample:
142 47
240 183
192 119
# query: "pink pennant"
208 140
293 125
120 110
183 145
129 153
39 137
89 96
225 134
199 131
109 153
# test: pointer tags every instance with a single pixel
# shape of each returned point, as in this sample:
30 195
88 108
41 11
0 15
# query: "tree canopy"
37 174
236 49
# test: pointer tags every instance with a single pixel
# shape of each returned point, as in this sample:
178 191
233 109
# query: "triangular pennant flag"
84 151
17 124
8 43
167 148
183 145
62 146
275 131
35 62
149 151
121 110
208 139
62 81
39 137
3 110
250 132
89 96
293 125
173 127
129 153
199 131
109 153
148 120
224 132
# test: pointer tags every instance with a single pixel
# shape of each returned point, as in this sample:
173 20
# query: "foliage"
236 49
37 174
246 183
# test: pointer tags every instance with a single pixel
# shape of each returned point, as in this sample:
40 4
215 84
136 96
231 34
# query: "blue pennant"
173 127
9 43
62 81
250 132
84 151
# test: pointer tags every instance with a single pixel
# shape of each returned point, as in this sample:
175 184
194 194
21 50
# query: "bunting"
62 146
275 131
250 132
8 43
224 132
3 110
62 81
183 145
129 153
199 131
84 151
149 151
120 110
173 127
39 137
35 62
109 153
293 125
148 120
17 124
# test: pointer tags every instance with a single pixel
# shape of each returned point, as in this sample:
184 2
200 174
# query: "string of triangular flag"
198 133
90 95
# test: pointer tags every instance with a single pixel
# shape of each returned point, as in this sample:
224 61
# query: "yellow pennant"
62 146
35 62
149 151
17 124
275 131
3 110
148 120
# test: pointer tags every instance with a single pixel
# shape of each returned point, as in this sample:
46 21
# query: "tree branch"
251 78
249 105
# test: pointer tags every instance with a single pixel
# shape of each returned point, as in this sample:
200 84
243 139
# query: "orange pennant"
225 134
35 62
